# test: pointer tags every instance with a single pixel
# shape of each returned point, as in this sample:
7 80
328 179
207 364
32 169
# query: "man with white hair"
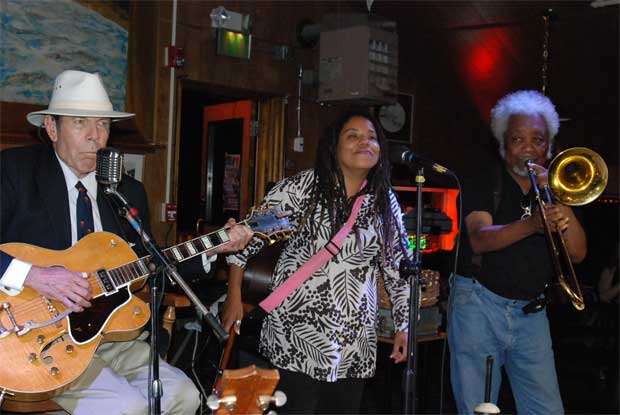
497 300
50 198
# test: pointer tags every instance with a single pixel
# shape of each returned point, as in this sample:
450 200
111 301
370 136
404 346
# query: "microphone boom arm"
131 215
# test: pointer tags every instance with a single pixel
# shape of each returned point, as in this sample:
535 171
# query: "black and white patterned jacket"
326 327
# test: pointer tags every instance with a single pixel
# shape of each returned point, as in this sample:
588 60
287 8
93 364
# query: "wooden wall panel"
274 23
140 68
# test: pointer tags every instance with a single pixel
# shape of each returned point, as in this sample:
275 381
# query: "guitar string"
30 307
36 305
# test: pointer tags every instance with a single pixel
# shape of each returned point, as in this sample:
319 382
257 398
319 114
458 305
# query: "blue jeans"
481 323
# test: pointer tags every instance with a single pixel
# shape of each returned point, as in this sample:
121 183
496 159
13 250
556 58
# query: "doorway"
193 160
225 181
229 142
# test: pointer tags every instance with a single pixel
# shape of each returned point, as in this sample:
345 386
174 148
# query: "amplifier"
430 317
430 290
430 320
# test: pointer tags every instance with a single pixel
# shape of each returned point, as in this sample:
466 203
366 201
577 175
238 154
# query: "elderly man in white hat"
50 199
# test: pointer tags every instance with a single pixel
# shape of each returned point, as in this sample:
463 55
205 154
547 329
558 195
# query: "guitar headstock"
249 390
270 224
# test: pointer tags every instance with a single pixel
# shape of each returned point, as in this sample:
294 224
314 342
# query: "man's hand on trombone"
558 215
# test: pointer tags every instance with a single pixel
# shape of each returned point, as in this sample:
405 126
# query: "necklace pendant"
527 212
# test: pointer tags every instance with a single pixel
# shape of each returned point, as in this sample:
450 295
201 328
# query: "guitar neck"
196 246
113 279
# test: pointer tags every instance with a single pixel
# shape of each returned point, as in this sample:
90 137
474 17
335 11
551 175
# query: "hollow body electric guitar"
44 347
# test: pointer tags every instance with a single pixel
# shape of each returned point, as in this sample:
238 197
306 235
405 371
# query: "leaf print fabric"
326 327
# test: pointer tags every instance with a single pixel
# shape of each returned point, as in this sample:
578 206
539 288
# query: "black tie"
84 212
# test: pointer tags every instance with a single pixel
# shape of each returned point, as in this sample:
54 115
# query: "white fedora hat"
78 94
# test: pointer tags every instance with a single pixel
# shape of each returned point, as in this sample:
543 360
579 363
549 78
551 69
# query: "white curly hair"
523 102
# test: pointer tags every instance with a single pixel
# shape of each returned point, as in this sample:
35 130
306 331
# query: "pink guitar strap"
325 254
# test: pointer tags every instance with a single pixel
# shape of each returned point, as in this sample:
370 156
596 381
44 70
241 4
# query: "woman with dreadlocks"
322 337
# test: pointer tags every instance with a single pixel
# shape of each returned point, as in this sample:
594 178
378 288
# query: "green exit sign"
233 44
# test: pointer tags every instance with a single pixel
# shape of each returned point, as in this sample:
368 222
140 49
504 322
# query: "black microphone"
109 170
404 155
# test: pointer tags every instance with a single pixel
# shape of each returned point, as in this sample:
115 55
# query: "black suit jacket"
34 201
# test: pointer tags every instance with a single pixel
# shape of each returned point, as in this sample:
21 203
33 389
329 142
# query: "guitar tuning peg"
229 402
278 398
213 402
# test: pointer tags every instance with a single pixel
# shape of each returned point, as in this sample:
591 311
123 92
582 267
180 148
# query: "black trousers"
309 396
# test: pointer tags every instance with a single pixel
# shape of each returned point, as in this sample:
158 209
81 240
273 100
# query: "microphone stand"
131 214
413 271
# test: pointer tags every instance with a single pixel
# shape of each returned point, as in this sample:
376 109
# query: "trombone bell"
577 176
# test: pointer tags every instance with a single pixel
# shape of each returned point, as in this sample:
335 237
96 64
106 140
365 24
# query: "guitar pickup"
105 280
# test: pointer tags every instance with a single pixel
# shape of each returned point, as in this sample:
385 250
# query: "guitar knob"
32 357
69 348
54 371
137 311
40 339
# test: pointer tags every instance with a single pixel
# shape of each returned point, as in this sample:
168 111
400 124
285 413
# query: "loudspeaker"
358 63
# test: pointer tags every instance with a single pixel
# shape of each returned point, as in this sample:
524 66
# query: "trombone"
577 176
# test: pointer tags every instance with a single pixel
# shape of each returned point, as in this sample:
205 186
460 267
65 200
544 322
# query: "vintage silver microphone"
109 173
109 170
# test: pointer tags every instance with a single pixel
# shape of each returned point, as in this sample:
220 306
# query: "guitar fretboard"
113 279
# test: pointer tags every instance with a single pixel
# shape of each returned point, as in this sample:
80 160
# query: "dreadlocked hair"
329 191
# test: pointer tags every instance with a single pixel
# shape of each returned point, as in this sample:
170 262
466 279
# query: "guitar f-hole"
57 338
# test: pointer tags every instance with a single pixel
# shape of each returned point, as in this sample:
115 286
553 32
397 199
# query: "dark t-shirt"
519 271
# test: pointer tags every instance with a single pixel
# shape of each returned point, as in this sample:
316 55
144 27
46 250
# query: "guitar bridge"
31 324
